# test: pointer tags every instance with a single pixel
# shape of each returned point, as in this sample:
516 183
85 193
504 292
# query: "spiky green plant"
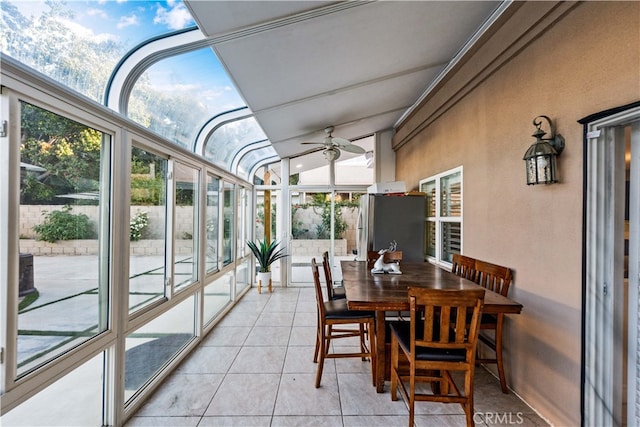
266 253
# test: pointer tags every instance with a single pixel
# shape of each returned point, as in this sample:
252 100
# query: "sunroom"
143 144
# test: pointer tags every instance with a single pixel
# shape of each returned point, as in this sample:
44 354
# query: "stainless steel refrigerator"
383 219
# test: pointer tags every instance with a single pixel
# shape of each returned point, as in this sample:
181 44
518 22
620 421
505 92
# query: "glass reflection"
153 345
185 268
64 224
65 41
217 295
229 139
212 223
176 96
229 218
82 389
147 265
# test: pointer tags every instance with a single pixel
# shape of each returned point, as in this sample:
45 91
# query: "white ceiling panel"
358 66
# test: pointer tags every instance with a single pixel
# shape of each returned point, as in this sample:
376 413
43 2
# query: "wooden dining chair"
497 279
333 292
440 337
333 318
464 266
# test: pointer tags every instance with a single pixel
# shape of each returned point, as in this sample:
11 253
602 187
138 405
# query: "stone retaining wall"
90 247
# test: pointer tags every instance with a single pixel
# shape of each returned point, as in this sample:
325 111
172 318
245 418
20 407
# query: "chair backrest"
372 257
449 319
493 277
328 277
464 266
318 287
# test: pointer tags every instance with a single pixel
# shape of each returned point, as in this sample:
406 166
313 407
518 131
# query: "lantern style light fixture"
331 154
540 158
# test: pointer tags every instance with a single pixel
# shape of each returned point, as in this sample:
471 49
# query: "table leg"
380 353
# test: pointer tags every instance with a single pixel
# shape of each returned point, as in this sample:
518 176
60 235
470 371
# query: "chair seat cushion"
402 331
337 309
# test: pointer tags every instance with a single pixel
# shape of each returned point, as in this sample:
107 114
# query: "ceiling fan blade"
353 148
314 143
340 142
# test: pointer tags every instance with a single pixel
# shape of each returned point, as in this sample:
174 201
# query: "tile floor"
255 369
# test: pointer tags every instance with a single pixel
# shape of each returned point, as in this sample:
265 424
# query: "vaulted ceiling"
358 66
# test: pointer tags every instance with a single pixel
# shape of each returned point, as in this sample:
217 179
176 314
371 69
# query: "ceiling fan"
333 145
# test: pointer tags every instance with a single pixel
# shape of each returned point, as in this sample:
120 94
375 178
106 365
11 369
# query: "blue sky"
134 21
129 22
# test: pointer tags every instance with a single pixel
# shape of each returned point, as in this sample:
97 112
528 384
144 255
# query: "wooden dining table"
381 292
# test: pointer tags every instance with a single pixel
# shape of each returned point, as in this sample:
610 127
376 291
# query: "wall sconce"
540 158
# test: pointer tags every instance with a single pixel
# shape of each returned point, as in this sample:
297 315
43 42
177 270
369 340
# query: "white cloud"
87 33
176 18
127 21
97 12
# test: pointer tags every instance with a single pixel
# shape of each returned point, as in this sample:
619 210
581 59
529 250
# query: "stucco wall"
588 60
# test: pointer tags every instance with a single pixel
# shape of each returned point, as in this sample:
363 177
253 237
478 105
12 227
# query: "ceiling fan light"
331 154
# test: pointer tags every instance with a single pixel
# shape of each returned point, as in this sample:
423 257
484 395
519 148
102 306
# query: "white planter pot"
264 279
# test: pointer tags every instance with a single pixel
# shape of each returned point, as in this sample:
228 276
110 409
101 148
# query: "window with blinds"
444 215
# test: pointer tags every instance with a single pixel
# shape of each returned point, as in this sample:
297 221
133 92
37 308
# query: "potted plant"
266 254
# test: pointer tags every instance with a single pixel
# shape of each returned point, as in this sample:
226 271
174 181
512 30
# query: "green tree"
68 151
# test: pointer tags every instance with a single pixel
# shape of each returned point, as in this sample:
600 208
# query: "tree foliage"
68 151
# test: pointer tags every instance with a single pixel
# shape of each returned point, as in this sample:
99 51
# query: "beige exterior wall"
565 61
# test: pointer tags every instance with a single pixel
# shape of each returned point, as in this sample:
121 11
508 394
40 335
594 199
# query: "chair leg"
363 345
468 392
394 368
372 350
499 359
323 342
412 394
315 353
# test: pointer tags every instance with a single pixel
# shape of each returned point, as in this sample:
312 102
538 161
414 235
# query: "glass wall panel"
310 232
451 240
228 238
177 95
64 41
451 189
212 223
431 238
217 295
152 346
266 202
147 261
187 181
356 169
429 188
242 235
82 389
227 141
251 158
243 276
64 224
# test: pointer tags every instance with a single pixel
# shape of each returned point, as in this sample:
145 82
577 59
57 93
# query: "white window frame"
439 219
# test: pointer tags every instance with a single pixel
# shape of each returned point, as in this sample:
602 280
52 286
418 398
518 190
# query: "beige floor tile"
226 336
239 421
268 335
298 396
256 368
182 395
259 360
245 394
